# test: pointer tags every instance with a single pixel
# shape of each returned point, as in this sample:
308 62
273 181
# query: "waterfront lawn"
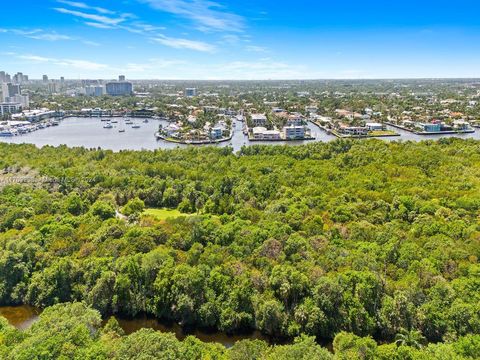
382 133
162 214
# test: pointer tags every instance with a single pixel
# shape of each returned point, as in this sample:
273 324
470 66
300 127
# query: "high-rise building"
190 92
52 87
119 88
2 76
45 78
23 100
9 90
121 77
92 90
8 78
9 108
18 78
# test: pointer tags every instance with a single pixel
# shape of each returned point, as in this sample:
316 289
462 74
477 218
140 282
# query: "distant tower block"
121 77
190 92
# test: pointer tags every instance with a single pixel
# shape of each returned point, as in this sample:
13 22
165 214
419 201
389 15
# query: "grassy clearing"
382 133
162 214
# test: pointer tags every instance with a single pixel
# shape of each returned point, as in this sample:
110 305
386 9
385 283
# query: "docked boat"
145 121
121 130
114 121
129 122
7 133
108 126
135 126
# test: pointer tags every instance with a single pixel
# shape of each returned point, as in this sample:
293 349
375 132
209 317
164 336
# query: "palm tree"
413 338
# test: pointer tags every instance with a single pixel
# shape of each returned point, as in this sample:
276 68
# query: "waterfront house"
429 127
294 132
353 130
295 120
461 125
372 126
142 113
259 120
261 133
172 130
216 133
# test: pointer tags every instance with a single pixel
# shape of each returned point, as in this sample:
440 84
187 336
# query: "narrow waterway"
89 133
23 316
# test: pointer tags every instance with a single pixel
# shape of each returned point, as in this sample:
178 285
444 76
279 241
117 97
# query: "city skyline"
254 40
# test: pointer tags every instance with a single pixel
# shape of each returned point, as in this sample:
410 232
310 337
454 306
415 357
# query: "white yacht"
7 133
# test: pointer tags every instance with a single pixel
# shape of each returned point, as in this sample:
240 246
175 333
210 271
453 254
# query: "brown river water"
23 316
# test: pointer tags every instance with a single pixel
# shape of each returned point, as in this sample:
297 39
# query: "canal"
23 316
89 133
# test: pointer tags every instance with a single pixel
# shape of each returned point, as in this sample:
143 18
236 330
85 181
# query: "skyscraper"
10 90
119 88
121 77
190 92
45 78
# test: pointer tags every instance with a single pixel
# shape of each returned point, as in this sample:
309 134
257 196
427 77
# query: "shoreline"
188 142
341 136
277 140
423 133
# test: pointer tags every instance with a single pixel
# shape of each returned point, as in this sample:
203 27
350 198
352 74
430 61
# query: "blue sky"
225 39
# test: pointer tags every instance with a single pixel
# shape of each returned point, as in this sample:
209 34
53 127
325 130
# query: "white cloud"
262 69
90 43
99 25
179 43
71 63
35 58
95 17
123 22
50 37
147 27
39 34
254 48
207 14
152 64
81 64
84 6
230 39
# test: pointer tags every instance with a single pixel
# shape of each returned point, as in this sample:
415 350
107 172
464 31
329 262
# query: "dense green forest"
362 242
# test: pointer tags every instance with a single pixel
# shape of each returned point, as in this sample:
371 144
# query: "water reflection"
140 322
23 316
89 133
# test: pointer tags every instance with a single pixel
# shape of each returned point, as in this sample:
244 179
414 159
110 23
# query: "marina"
93 132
